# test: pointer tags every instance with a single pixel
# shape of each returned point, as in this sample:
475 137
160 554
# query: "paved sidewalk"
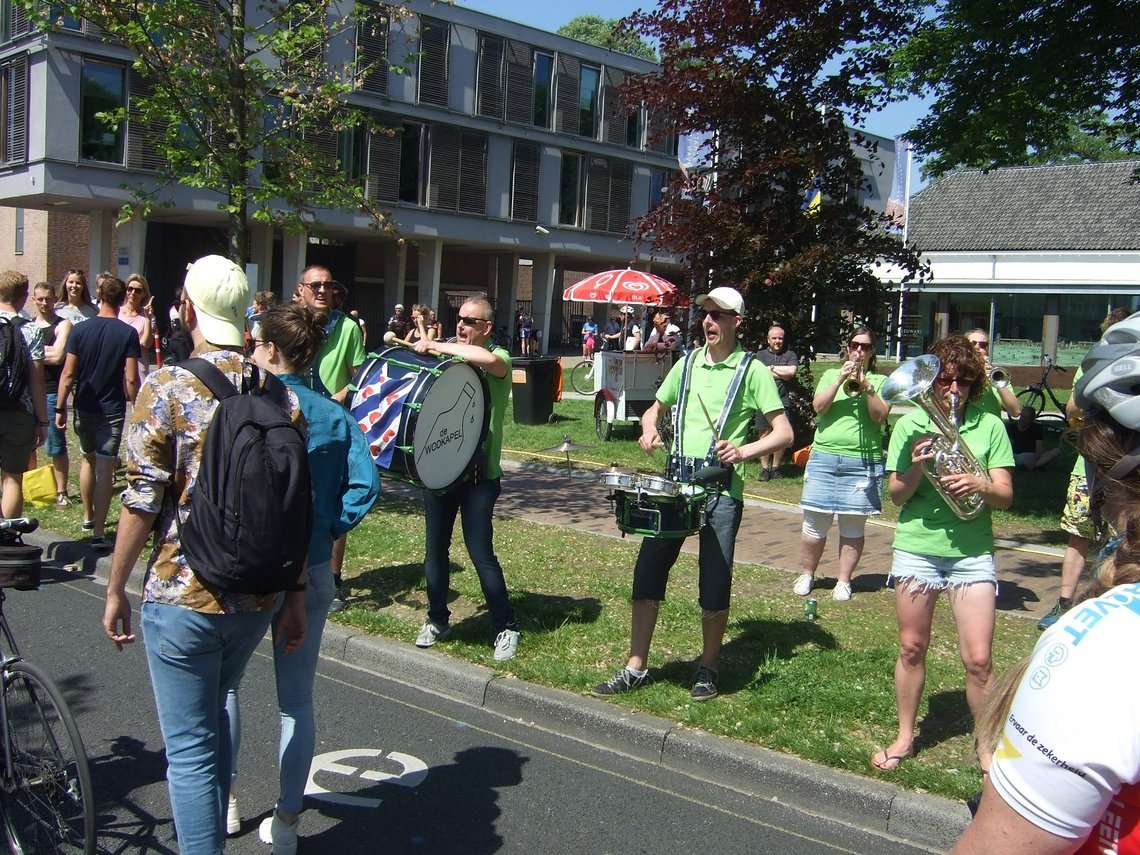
769 534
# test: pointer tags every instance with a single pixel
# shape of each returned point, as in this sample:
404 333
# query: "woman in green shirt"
844 474
935 550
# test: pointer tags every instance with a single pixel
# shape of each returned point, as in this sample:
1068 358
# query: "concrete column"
260 267
395 272
942 317
543 272
294 251
100 235
507 291
132 246
1050 324
431 263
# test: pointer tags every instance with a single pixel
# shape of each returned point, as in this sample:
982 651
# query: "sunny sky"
891 122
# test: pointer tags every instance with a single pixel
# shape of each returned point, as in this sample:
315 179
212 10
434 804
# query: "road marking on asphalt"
332 762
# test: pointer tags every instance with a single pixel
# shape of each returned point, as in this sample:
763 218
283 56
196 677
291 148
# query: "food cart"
625 386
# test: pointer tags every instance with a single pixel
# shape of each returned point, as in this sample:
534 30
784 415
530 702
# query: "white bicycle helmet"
1111 374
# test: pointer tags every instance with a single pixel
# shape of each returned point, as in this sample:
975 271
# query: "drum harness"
684 468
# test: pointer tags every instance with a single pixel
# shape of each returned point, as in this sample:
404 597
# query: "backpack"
251 512
13 362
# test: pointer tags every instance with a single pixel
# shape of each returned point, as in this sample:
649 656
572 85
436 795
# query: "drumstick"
392 340
708 418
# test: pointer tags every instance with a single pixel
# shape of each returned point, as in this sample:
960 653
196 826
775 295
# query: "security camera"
540 230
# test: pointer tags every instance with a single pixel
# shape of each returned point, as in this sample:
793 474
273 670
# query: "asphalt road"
401 770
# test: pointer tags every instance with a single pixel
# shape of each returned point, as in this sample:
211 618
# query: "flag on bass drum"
378 405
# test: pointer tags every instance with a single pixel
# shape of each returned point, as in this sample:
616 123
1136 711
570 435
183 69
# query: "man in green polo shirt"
709 375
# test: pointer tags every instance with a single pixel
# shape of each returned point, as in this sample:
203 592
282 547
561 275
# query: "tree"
1016 81
607 33
775 88
237 97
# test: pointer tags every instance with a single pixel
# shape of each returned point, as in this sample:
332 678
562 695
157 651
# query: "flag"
899 199
378 407
813 197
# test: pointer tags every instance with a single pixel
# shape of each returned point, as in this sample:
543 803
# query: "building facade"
1035 255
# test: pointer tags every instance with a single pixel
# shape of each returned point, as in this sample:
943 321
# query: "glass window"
411 155
656 187
352 151
104 91
633 129
588 102
543 87
570 193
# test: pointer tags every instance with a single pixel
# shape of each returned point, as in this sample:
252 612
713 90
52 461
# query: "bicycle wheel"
1032 397
582 378
49 803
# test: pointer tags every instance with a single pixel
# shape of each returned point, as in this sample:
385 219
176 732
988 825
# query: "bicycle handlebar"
24 525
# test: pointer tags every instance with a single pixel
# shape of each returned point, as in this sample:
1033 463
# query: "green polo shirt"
710 382
500 389
847 428
927 526
990 402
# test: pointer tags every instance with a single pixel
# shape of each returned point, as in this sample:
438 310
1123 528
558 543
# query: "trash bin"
534 381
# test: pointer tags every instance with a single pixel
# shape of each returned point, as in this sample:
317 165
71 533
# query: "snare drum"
622 480
425 418
660 485
653 515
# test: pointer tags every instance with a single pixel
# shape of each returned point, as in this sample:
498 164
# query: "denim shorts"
844 485
99 434
933 571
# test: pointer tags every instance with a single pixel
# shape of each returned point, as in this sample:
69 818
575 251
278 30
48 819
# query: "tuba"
911 382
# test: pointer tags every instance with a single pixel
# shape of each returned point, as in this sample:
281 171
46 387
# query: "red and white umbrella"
623 286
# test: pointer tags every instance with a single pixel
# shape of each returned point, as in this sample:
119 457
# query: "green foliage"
1016 82
607 33
239 98
776 87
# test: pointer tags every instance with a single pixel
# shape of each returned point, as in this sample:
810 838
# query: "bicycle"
46 801
1036 394
582 377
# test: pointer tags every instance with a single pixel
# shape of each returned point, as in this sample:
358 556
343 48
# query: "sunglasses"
134 290
981 345
947 382
328 285
470 322
717 314
861 345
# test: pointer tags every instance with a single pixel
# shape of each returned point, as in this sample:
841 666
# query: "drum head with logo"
450 427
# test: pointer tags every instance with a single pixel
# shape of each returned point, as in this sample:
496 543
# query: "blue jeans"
194 659
295 675
717 548
56 443
475 502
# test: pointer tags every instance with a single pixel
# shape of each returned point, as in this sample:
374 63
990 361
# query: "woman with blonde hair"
135 313
1062 725
844 474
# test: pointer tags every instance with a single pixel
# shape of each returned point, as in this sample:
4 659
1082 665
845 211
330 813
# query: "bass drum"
425 418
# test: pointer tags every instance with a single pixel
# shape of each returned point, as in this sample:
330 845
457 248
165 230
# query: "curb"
925 820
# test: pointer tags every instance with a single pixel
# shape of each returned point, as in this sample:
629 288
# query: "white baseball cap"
725 298
220 292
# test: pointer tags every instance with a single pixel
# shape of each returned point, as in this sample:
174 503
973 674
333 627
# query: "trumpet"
853 385
999 378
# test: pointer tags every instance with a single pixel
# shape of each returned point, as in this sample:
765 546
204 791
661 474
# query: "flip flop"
890 761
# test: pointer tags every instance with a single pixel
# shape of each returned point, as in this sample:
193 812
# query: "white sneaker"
280 834
431 633
842 591
506 644
233 818
804 584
